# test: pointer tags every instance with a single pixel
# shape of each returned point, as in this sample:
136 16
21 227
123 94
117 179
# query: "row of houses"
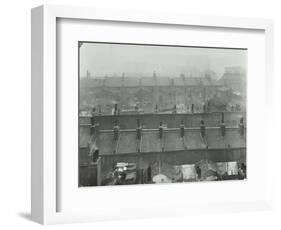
101 149
149 94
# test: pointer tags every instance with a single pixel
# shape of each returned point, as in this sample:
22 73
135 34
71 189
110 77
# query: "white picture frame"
44 108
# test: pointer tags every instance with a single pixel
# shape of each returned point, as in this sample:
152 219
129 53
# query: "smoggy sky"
142 60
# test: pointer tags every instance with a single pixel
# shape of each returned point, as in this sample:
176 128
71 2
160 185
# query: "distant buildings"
235 79
163 94
147 93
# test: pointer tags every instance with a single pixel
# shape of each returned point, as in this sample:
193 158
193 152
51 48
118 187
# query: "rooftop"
147 81
150 141
152 120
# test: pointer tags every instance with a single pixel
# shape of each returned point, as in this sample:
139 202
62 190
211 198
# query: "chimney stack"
99 109
92 131
202 128
161 130
175 109
139 129
116 131
222 117
223 129
182 129
96 155
93 111
241 126
115 109
192 108
94 128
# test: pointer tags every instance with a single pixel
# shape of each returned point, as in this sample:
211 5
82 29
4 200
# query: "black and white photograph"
151 113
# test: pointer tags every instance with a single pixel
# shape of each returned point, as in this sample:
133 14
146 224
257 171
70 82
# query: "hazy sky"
142 60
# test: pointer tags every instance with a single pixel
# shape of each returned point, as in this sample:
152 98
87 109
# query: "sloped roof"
179 81
147 81
231 139
114 82
163 81
84 135
127 142
173 141
150 142
106 143
131 81
193 139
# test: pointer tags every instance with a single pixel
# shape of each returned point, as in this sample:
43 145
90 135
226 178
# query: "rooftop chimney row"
116 128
